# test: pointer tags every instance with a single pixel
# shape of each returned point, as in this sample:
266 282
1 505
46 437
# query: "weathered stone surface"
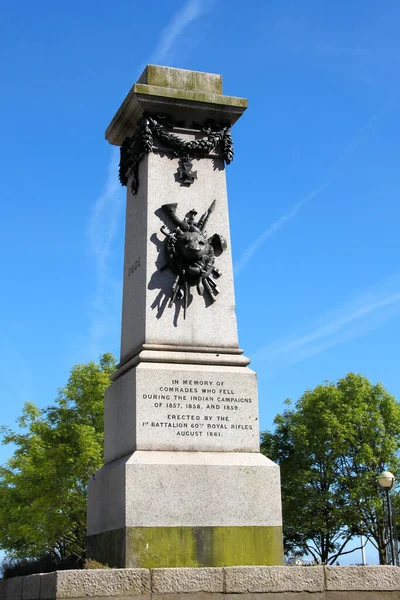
146 318
202 496
229 583
173 547
357 595
120 417
182 79
106 498
31 587
181 93
186 489
382 578
103 582
166 581
241 580
277 596
13 588
193 596
48 586
184 355
181 407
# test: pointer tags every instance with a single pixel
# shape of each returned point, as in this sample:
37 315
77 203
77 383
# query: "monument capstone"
183 482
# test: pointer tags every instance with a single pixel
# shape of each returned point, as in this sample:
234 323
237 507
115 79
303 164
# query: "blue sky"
313 189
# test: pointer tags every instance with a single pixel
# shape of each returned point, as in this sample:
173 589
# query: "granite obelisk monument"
183 481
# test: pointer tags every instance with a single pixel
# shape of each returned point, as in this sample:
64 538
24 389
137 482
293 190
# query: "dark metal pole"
388 500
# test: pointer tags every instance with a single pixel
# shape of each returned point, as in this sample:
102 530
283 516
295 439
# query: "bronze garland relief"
149 129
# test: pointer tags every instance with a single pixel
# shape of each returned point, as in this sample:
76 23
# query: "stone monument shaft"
183 483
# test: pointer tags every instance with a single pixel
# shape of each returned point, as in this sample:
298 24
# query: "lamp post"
386 483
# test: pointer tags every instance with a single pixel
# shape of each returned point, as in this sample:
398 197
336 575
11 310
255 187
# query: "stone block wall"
225 583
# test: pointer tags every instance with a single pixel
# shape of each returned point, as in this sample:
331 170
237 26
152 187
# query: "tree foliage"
43 485
331 446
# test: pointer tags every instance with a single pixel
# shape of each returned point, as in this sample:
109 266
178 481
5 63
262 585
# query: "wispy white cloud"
336 170
106 210
368 53
275 227
16 387
103 220
354 318
103 225
16 377
191 11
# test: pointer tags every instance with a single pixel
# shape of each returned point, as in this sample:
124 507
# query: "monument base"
172 509
152 547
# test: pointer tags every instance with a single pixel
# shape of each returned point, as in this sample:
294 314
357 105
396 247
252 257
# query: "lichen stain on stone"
203 537
152 547
161 546
247 546
193 96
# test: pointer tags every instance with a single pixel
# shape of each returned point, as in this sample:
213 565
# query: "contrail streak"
191 11
336 170
354 319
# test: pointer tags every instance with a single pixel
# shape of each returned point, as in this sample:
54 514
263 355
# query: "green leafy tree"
43 485
331 446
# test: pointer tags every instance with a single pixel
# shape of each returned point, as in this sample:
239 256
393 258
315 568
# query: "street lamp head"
386 480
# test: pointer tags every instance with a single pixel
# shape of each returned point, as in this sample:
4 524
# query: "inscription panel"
200 411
